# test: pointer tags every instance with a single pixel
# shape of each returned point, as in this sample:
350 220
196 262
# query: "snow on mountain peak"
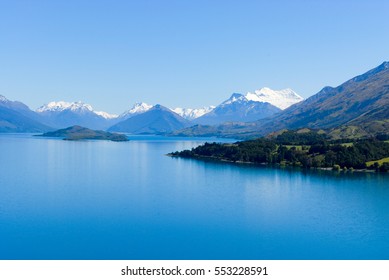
138 108
62 105
79 106
106 115
279 98
191 114
54 107
234 98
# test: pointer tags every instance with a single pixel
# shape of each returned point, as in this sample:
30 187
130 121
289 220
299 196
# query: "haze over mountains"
358 107
63 114
17 117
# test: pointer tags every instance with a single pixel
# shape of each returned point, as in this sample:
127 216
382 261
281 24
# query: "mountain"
137 109
62 106
17 117
19 107
357 108
360 101
279 98
106 115
238 109
191 114
64 114
156 120
14 105
82 133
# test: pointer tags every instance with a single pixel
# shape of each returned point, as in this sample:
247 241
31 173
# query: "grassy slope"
380 161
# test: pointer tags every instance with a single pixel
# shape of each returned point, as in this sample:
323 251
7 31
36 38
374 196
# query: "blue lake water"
105 200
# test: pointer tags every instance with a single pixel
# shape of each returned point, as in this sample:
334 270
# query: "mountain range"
357 108
238 107
156 120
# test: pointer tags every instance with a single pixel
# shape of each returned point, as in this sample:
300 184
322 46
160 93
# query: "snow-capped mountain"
73 106
280 98
137 109
238 109
361 103
64 114
241 108
158 119
62 106
251 107
235 98
106 115
191 114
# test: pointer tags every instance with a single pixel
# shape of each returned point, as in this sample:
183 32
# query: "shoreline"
277 164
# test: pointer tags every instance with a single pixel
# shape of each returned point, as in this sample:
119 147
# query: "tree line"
308 150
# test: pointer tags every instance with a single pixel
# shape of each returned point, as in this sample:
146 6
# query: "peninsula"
302 148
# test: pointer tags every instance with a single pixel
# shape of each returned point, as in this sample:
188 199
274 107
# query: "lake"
106 200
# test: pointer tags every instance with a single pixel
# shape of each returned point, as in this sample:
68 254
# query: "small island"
76 132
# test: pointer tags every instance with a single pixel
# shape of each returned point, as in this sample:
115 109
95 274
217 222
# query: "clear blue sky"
183 53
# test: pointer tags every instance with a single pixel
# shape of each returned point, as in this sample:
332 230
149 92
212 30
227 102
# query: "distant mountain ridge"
280 98
237 108
186 113
62 106
191 114
156 120
65 114
252 106
15 105
17 117
356 108
136 109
